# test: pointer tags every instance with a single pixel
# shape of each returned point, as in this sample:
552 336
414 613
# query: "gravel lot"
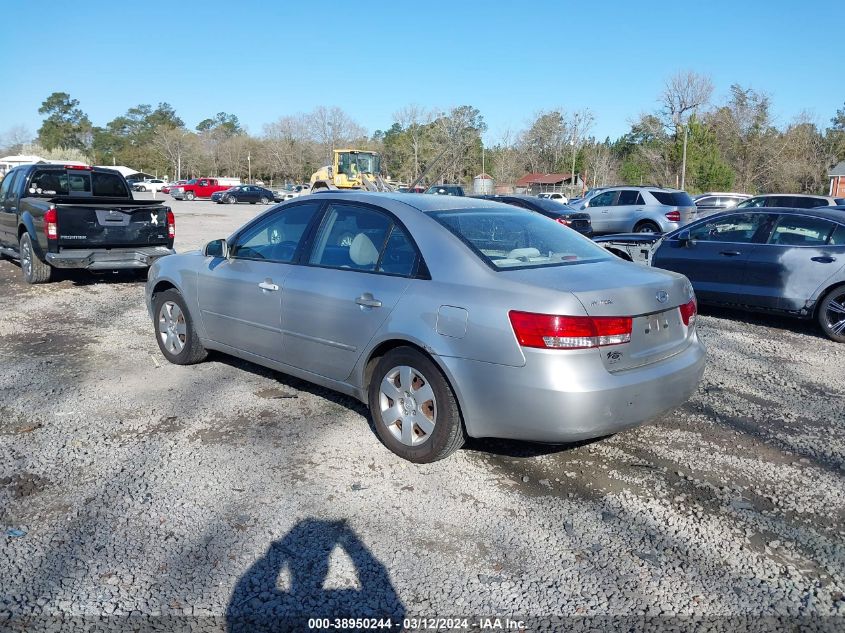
225 491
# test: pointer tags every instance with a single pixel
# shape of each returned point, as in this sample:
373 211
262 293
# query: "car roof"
827 213
793 195
421 202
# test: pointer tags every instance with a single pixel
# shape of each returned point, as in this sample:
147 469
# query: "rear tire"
413 407
264 201
34 270
831 314
647 226
174 329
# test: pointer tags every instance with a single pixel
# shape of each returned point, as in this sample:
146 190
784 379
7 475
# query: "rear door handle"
366 300
730 253
268 284
824 259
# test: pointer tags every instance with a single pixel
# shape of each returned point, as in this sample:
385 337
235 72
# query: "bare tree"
507 162
683 93
332 127
288 146
15 138
179 147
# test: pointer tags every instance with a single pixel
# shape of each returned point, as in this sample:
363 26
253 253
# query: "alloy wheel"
408 405
26 258
172 327
835 314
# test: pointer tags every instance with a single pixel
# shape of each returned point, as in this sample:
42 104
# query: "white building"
10 162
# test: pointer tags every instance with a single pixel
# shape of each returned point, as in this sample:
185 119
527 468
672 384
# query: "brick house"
837 180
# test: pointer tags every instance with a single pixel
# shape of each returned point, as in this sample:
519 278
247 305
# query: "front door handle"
730 253
366 300
823 259
268 285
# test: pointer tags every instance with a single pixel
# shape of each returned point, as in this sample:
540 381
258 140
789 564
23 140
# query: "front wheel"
34 270
175 332
831 314
232 200
413 407
190 195
144 189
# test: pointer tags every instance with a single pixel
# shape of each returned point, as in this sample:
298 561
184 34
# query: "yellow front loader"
351 169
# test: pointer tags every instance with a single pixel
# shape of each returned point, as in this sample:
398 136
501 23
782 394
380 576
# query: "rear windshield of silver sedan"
508 239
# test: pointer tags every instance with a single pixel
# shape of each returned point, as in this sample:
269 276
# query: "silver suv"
639 210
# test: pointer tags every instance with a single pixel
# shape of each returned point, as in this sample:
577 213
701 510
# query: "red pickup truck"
199 188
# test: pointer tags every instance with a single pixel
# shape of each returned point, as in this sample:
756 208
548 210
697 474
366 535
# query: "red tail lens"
674 216
171 225
562 220
51 227
549 331
82 167
688 312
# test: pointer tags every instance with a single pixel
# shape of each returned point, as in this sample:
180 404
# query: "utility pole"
249 167
684 162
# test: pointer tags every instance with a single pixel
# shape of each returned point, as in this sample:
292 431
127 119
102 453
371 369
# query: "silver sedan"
450 317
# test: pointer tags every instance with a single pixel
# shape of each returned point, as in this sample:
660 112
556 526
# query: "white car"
290 192
150 184
557 197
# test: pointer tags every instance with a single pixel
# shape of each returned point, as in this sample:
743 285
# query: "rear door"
360 265
240 297
599 207
715 257
800 255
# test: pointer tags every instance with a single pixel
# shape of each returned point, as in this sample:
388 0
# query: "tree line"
735 144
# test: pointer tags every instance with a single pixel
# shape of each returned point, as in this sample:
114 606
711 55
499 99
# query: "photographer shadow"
258 603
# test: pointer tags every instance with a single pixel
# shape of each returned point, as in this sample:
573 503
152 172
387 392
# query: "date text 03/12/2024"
418 624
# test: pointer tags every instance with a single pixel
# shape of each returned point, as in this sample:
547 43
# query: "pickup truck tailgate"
111 225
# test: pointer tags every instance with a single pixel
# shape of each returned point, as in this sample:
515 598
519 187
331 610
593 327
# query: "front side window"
276 237
795 230
752 203
351 237
737 228
707 201
519 239
604 199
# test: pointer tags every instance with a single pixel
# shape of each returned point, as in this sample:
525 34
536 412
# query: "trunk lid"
111 224
616 288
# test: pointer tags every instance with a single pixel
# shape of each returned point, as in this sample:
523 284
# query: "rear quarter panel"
179 271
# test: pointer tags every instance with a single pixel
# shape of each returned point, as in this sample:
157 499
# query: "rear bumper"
560 398
108 259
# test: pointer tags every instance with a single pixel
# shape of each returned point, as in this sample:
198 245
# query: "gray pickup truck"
71 216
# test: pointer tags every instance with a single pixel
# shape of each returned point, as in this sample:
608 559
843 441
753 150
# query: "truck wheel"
34 270
174 328
413 407
190 195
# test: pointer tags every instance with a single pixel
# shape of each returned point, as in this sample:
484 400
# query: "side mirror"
217 248
684 238
585 205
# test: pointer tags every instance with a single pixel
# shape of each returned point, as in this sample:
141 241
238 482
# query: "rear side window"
673 198
108 185
629 196
796 230
399 256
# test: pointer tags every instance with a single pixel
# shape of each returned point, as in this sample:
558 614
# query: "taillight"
674 216
688 312
51 227
171 225
549 331
82 167
562 220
